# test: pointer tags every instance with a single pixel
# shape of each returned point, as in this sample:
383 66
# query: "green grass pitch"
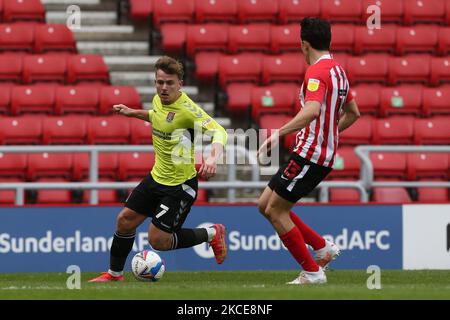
239 285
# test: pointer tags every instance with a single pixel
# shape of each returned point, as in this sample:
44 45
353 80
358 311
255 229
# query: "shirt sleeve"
208 125
315 87
350 96
150 115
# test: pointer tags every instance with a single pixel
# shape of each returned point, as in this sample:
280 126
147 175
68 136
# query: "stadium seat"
275 99
173 36
430 11
111 95
444 40
239 98
368 98
433 195
108 130
64 130
440 70
245 67
405 99
427 166
77 99
40 68
341 58
409 69
257 11
346 164
206 37
416 39
13 165
16 36
251 37
276 121
358 133
392 11
105 196
8 197
434 130
374 40
49 165
207 66
11 66
394 130
135 164
33 98
141 132
108 164
172 11
202 196
5 98
343 38
21 10
369 68
140 10
54 37
390 195
285 38
288 67
389 165
344 195
87 67
21 130
53 196
436 100
342 10
216 11
295 10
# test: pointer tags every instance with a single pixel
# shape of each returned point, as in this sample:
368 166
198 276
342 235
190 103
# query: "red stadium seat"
77 99
105 196
108 130
17 36
252 37
391 195
13 165
368 98
5 98
245 67
111 95
288 67
432 131
444 40
135 164
276 121
344 195
173 36
436 195
358 133
207 66
21 130
40 68
413 68
427 165
391 11
405 99
54 37
11 66
64 130
296 10
8 197
173 11
436 100
239 98
202 196
48 165
216 11
416 11
141 132
275 99
53 196
346 164
285 38
369 68
389 165
257 10
343 38
341 58
416 39
342 10
33 98
108 164
206 37
440 70
140 9
368 40
87 67
394 130
24 10
1 10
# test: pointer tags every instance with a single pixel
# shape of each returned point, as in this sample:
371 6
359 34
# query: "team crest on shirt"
313 84
170 116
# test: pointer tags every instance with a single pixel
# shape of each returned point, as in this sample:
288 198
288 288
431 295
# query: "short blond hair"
170 66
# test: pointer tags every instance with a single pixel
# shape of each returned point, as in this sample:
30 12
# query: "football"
147 266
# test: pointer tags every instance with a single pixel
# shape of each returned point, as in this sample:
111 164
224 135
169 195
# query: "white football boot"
306 277
324 256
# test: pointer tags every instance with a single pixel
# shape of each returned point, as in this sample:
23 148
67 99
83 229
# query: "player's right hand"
122 109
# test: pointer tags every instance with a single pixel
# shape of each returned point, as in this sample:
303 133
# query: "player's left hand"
208 168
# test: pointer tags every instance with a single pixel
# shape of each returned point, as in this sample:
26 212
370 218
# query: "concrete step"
147 93
114 48
107 33
136 79
88 18
133 63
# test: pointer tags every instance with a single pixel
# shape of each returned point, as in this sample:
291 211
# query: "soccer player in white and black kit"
328 108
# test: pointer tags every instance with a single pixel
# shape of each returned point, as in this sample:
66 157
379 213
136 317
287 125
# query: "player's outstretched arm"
350 115
129 112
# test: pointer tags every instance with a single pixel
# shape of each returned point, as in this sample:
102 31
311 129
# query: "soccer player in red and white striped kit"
328 108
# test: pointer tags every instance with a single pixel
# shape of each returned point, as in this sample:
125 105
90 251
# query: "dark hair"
170 66
317 32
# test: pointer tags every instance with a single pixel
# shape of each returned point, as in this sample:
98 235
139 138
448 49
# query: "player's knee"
262 207
270 214
124 224
159 243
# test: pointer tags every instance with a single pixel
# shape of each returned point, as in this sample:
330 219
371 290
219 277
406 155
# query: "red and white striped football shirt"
325 82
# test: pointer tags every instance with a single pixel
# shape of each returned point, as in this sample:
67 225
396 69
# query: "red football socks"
293 240
311 237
